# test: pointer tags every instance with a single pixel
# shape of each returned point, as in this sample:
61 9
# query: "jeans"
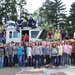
1 61
19 60
15 60
10 60
42 60
24 59
37 61
29 61
22 25
55 61
66 59
47 59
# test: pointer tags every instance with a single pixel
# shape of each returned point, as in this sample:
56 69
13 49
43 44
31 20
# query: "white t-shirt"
29 51
70 48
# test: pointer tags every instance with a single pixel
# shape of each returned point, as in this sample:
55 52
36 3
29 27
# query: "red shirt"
26 38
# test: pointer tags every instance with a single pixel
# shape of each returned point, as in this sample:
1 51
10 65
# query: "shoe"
59 66
53 66
28 67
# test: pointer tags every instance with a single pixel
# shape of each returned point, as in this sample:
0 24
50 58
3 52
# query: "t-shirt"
60 48
29 51
56 36
1 51
10 50
20 50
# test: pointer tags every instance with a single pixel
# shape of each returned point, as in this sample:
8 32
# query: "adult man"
20 23
32 23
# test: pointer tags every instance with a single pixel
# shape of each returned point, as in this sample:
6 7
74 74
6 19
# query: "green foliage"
51 13
10 9
72 14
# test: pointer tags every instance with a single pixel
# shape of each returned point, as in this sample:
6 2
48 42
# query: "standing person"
47 38
20 50
54 54
42 48
25 38
51 34
29 55
10 54
56 36
50 52
6 57
73 54
37 53
60 49
67 35
66 53
47 51
24 55
33 57
1 55
69 53
15 54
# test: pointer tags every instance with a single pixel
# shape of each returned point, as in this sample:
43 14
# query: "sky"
33 5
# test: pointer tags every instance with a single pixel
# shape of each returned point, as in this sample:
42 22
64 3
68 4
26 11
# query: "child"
20 50
15 54
37 53
1 55
66 51
10 54
47 51
42 48
29 55
60 49
54 55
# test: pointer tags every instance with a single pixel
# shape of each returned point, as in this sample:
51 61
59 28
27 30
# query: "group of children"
38 54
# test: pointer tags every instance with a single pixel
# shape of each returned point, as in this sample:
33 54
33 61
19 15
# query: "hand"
7 55
12 55
23 53
31 56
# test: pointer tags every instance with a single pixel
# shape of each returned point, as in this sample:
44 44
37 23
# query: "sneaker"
59 66
53 66
28 67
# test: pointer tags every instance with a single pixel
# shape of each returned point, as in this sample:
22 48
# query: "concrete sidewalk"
42 71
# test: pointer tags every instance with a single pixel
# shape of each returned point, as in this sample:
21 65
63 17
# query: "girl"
15 54
47 50
37 53
54 54
29 55
42 48
1 55
60 49
66 51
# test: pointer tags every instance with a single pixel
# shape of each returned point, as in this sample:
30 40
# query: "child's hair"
29 45
54 44
48 44
40 42
36 42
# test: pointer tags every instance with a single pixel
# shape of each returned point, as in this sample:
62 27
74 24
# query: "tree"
52 13
55 11
8 9
72 14
23 11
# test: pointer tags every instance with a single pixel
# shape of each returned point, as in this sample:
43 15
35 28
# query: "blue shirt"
20 50
30 22
19 21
